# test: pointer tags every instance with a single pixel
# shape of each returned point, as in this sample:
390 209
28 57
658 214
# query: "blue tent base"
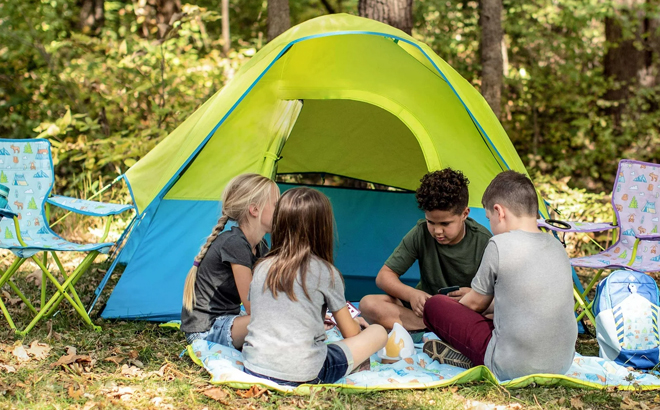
370 224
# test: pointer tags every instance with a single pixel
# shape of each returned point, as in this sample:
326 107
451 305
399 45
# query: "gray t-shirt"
285 339
215 289
535 329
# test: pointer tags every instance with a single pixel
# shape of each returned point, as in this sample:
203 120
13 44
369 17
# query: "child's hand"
458 294
418 301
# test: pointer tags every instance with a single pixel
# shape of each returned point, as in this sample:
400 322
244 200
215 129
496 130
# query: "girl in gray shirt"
291 291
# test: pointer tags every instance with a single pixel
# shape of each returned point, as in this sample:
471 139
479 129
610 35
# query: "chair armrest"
85 207
6 213
649 237
574 226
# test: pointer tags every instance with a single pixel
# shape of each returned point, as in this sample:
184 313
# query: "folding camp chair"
634 197
26 167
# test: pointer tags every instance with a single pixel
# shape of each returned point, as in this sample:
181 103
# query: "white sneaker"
399 345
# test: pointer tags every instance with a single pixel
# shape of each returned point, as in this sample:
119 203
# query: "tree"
8 234
623 59
492 67
279 18
32 204
28 149
396 13
3 177
92 15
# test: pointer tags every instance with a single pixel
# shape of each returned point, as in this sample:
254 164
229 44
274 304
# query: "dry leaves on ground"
217 394
254 391
9 300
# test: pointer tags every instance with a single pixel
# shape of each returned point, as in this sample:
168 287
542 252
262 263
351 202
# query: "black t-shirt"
215 289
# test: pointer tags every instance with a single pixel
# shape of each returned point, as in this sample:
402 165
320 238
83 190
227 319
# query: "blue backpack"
626 309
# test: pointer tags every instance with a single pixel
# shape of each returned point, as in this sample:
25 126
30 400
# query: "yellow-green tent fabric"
338 94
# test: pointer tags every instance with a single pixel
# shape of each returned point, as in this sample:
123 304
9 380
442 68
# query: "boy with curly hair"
447 244
527 274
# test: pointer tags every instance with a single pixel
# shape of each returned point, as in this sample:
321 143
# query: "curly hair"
445 190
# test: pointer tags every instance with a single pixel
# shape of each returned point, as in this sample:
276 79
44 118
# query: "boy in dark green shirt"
448 245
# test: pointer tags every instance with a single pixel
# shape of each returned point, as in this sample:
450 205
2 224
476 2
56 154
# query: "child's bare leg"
239 330
366 343
386 310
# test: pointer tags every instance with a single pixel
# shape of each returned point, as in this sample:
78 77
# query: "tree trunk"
166 10
396 13
279 19
492 65
91 16
623 60
226 40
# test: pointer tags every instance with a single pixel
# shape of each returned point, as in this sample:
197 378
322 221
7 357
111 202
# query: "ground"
62 364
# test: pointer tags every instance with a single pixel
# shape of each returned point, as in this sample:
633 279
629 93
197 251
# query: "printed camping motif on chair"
635 198
26 168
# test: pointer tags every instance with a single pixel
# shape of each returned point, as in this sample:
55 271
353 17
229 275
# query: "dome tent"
338 94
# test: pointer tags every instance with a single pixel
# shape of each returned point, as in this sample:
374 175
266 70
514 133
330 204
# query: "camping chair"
634 197
26 167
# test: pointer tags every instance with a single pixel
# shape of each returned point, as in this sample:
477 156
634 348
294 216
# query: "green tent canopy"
340 95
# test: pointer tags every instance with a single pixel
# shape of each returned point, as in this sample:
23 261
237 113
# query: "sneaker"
445 354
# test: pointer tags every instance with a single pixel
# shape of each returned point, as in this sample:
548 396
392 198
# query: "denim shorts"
338 363
220 331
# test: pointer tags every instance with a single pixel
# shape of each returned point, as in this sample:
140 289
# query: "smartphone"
444 291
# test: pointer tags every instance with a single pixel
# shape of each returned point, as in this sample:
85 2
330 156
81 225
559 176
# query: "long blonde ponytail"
241 192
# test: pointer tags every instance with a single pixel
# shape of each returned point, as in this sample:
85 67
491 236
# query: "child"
528 274
220 277
448 245
290 292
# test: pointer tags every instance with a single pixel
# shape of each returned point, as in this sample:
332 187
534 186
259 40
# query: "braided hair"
239 194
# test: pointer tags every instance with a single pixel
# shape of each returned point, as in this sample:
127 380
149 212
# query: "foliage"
104 101
554 110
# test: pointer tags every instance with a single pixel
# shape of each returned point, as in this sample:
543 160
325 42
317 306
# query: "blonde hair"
239 194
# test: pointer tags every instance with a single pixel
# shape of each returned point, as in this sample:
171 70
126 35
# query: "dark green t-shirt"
440 266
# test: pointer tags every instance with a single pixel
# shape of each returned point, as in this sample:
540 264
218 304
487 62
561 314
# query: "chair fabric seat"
50 242
647 257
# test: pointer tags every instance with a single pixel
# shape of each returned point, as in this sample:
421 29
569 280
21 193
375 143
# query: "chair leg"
586 310
6 276
82 268
62 290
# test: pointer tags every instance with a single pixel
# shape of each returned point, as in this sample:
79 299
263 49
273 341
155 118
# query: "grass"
136 365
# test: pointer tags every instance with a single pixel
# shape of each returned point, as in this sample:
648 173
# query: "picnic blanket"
225 365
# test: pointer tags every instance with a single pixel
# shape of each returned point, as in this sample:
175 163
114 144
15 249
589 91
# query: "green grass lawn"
136 365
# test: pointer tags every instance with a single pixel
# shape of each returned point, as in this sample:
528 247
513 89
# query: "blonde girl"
290 292
220 277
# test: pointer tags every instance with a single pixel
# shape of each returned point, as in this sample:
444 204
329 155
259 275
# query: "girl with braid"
220 277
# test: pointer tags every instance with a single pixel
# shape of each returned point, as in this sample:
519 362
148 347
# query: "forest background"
574 82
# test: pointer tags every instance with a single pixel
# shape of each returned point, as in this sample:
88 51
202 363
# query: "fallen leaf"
35 277
10 301
577 403
20 353
629 404
7 368
70 359
254 391
75 394
114 359
89 405
38 350
70 350
131 371
133 354
217 394
121 391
